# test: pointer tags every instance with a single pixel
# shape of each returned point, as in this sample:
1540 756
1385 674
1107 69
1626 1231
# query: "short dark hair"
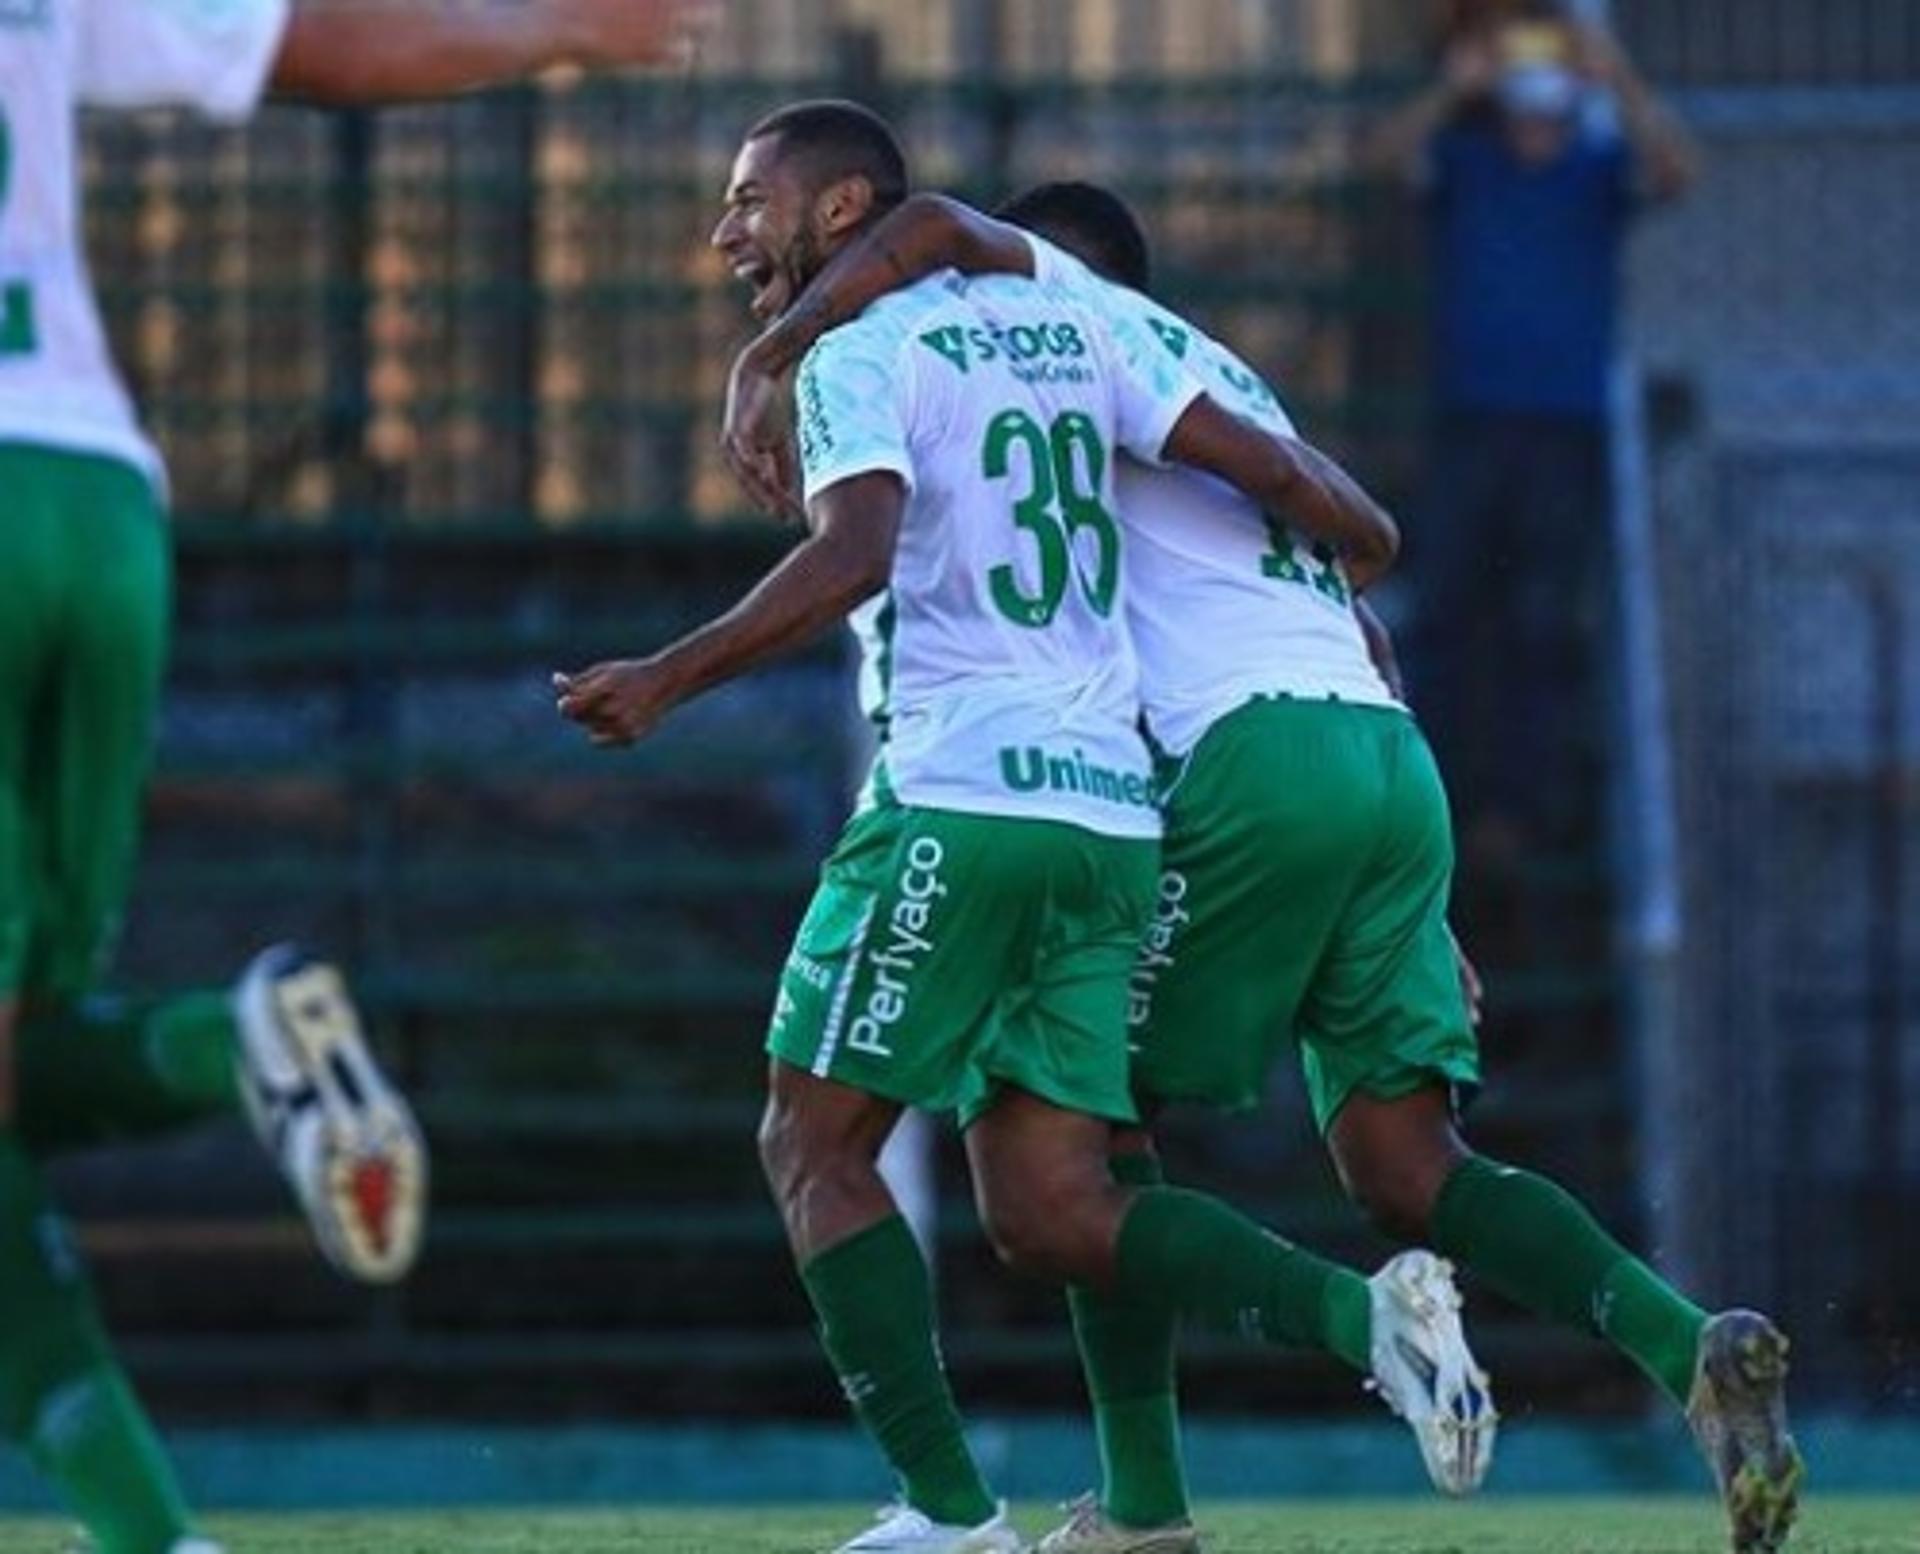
1094 222
836 139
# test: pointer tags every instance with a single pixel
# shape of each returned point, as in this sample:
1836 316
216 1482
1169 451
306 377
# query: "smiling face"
767 232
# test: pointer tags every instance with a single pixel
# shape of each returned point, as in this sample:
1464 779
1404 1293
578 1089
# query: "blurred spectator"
1533 150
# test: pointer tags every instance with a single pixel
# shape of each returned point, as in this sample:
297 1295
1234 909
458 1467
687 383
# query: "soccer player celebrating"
1302 898
971 941
83 549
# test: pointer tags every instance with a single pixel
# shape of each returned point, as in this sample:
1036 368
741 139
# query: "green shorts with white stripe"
947 954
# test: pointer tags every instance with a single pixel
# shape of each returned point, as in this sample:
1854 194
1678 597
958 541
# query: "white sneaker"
343 1138
1089 1530
1426 1374
900 1529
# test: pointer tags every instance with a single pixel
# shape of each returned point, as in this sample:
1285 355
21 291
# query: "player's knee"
1396 1192
1053 1227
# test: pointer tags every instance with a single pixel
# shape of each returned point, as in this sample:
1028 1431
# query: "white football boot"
900 1529
1424 1371
1089 1530
341 1135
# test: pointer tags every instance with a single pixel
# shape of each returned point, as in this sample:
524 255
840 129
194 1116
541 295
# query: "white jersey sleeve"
214 56
1156 389
853 401
1153 390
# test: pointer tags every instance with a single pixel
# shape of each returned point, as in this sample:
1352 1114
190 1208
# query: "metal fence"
438 394
1783 1114
437 391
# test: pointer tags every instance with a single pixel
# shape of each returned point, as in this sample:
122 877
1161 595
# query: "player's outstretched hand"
756 441
611 34
617 703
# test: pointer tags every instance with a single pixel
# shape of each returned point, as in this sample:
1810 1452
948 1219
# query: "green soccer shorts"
945 955
1303 899
83 640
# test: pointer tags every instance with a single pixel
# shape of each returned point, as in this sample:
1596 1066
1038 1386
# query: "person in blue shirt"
1534 149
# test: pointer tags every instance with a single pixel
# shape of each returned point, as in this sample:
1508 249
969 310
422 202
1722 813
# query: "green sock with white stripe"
875 1306
1538 1246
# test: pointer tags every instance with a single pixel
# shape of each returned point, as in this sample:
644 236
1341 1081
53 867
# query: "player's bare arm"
1292 480
928 233
348 53
1380 648
844 562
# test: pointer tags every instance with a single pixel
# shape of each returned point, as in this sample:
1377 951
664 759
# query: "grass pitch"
1516 1526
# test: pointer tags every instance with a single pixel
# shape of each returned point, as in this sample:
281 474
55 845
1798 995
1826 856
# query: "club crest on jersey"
1173 337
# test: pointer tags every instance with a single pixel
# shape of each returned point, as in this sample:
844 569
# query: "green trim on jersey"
945 955
1303 895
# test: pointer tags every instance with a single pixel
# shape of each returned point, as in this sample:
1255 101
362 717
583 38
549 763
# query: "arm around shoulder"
1292 480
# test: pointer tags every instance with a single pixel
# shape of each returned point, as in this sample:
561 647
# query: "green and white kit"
83 547
998 671
1308 855
58 386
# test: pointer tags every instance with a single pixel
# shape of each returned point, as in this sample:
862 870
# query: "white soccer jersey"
997 663
1224 605
58 385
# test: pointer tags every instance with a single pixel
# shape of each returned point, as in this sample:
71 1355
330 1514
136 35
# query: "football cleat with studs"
1425 1373
343 1138
1738 1411
1089 1530
899 1529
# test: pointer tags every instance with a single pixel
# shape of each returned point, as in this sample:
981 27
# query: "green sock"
62 1397
1126 1350
111 1069
1192 1254
1537 1246
875 1306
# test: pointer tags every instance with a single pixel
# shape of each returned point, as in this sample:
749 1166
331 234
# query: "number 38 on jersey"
1058 473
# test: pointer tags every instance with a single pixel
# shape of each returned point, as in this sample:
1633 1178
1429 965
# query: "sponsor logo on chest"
1034 353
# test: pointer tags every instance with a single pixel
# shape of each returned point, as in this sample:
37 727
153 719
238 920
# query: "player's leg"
891 976
1211 995
91 1071
62 1397
1053 1210
1389 1041
1127 1356
1039 1144
1540 1247
106 1069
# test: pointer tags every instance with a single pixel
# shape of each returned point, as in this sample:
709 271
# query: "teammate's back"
1222 605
